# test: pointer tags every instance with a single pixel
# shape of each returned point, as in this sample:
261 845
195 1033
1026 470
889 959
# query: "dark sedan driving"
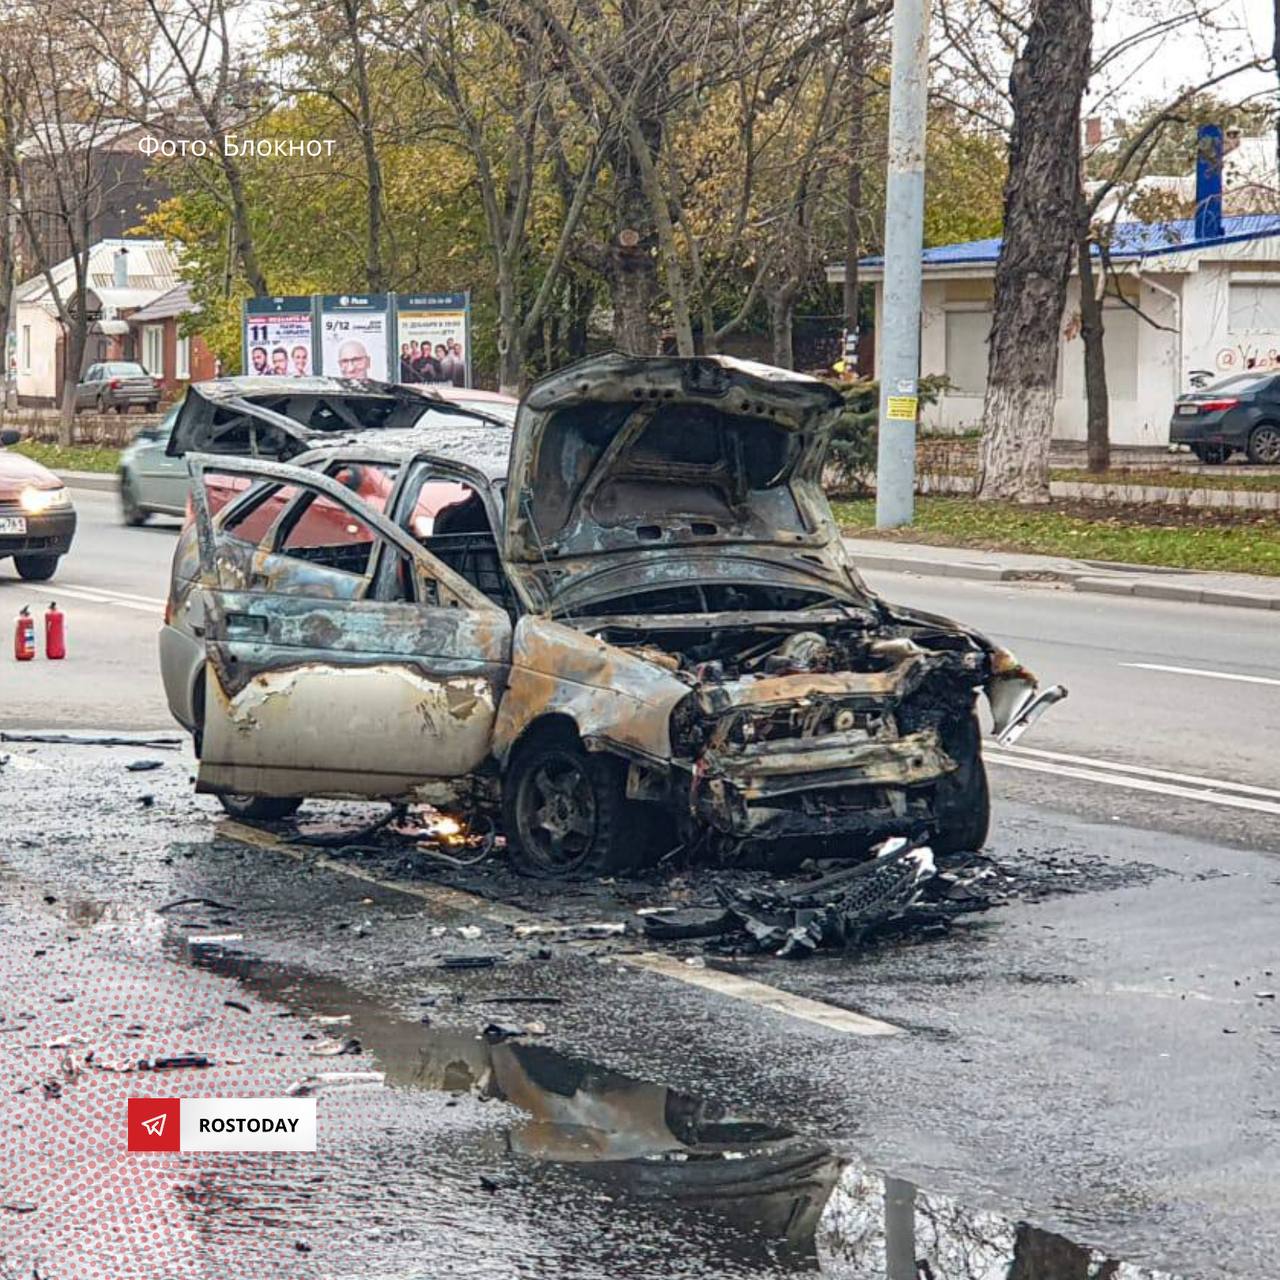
1237 413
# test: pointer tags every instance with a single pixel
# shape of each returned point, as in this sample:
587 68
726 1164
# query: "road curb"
1087 583
99 481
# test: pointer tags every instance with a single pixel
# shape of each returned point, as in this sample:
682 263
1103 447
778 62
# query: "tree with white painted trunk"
1040 221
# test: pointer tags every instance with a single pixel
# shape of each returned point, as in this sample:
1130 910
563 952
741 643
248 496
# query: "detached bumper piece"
901 889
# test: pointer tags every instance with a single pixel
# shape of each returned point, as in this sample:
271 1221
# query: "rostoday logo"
222 1124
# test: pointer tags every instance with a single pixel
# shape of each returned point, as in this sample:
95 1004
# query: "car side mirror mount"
10 435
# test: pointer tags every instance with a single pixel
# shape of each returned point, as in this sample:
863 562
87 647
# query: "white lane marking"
114 594
155 609
1199 671
732 985
1135 784
1194 779
737 987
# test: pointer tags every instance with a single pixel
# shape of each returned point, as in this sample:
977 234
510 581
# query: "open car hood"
642 460
281 417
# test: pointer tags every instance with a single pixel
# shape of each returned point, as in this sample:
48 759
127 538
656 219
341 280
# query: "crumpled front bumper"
877 778
842 783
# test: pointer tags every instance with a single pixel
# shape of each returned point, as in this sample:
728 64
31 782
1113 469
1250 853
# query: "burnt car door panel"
342 658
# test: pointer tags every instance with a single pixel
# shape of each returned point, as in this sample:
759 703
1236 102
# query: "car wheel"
565 810
1211 454
962 802
1264 444
132 514
36 568
260 808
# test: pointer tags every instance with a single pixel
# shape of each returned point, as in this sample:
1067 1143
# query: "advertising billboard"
277 336
355 330
433 339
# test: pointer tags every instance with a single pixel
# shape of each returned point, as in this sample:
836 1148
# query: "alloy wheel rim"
558 811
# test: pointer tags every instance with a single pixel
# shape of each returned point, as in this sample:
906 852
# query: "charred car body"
641 632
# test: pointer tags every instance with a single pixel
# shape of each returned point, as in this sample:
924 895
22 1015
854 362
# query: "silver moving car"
152 481
642 630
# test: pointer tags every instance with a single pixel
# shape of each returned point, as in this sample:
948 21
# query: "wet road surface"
1095 1057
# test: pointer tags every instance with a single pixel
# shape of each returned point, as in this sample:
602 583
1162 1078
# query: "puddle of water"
786 1196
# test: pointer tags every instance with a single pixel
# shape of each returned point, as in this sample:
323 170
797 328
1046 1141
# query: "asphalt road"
1096 1056
112 587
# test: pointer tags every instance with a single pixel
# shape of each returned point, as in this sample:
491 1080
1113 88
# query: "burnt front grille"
805 718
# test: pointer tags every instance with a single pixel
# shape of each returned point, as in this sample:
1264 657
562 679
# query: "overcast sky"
1234 32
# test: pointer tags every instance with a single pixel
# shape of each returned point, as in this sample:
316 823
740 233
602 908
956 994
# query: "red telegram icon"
154 1124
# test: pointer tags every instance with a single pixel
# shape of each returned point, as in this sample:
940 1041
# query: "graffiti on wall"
1241 358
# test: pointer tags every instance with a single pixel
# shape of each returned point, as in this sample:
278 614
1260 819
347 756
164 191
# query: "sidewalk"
103 481
1240 590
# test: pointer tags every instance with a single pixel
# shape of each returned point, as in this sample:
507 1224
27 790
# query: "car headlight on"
34 501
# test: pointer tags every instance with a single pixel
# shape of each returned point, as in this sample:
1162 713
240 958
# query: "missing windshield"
706 470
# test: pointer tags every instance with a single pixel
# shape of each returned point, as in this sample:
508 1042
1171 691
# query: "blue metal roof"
1129 240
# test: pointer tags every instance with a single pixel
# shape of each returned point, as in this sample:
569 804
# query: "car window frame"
451 589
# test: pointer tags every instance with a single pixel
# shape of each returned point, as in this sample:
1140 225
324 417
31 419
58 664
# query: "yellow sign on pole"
902 408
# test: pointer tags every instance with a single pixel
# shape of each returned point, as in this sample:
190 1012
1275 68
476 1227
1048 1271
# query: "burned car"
640 632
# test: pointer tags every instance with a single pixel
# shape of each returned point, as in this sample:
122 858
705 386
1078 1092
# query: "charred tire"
1212 455
963 799
565 810
260 808
1264 444
130 512
36 568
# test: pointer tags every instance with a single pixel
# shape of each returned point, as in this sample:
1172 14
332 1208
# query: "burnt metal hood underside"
627 459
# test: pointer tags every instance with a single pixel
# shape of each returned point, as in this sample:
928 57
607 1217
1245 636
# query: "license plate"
13 524
1187 409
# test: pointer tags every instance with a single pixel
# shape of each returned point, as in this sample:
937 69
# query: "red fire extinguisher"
24 636
55 632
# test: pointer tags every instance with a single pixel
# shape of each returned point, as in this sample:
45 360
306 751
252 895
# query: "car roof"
483 447
232 388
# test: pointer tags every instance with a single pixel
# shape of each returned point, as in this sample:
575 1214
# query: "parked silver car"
118 384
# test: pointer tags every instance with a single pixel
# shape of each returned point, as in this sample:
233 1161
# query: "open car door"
342 658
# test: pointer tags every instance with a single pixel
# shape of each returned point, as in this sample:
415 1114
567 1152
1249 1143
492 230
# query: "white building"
1211 304
1250 184
123 276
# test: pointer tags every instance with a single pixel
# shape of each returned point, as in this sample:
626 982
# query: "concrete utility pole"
903 240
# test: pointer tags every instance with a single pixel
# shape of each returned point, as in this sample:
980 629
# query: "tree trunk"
375 272
1040 222
659 210
1095 361
855 69
246 251
510 335
77 340
1275 55
631 268
782 307
582 299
